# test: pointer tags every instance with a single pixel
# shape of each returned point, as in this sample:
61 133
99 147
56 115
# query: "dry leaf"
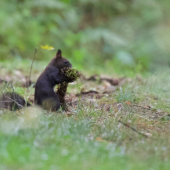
128 103
100 139
46 47
148 134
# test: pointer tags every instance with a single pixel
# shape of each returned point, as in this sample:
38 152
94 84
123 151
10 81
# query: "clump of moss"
61 91
71 73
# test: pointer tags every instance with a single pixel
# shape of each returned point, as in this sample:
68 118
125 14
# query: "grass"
91 136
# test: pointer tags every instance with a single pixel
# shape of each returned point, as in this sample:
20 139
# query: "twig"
133 129
161 117
5 101
13 101
10 98
144 107
117 113
75 101
35 52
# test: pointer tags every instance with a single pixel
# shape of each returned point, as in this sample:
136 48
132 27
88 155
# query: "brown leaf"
128 103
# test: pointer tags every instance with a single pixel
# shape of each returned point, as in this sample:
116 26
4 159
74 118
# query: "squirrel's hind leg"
52 103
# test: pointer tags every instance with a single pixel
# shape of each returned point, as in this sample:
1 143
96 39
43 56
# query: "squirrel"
51 76
44 95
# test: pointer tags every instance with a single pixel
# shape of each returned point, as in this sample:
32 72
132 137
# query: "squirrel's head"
61 62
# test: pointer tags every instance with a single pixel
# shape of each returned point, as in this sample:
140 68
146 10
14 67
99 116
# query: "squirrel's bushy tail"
12 101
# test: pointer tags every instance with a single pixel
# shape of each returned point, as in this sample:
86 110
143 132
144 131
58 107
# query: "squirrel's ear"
58 54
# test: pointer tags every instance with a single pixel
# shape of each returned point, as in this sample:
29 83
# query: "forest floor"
111 123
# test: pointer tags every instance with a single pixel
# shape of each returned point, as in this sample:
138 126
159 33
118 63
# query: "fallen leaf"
46 47
148 134
100 139
128 103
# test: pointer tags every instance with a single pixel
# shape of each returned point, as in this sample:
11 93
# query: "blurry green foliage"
131 35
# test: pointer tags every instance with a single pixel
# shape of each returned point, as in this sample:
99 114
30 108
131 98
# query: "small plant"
125 95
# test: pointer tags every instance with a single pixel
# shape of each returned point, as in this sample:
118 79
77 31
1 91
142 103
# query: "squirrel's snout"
70 66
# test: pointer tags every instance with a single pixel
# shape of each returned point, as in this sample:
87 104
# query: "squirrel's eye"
65 62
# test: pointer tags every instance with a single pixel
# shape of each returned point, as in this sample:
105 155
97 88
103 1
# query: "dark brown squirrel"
45 95
51 76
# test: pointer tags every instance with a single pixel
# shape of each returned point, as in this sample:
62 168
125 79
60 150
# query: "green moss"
71 73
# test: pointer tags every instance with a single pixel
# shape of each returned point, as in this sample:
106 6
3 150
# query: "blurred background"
130 36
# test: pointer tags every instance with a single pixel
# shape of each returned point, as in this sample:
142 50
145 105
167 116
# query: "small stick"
125 124
35 52
14 101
